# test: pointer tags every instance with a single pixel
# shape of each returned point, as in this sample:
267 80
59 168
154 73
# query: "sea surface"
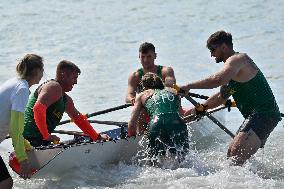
103 37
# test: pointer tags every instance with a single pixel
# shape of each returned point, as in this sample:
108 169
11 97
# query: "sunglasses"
212 48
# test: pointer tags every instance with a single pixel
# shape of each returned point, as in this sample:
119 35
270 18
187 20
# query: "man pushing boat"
166 131
241 78
48 103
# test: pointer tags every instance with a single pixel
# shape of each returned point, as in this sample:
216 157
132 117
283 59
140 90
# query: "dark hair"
218 38
67 65
28 64
152 81
146 47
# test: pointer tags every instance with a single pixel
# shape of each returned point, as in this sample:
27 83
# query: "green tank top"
254 96
159 72
54 114
162 102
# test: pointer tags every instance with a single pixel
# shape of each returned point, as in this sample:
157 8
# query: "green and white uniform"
54 114
257 104
166 129
159 72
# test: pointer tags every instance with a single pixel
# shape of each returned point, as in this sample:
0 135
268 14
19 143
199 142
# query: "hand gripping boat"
81 151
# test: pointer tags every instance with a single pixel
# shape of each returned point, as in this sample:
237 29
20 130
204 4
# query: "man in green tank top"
46 107
241 78
166 130
147 56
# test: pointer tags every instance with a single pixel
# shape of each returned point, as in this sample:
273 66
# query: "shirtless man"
241 78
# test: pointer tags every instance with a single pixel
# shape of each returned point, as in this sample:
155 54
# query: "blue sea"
103 37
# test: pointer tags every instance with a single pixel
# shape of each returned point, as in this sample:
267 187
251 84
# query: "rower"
147 56
167 131
48 103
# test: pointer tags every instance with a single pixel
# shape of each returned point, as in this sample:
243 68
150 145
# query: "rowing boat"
56 159
82 151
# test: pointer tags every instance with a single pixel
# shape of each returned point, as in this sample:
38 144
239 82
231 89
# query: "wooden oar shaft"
196 104
219 124
120 124
69 132
101 112
210 112
109 110
198 96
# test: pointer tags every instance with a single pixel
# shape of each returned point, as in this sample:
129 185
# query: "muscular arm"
230 70
49 93
135 115
70 108
133 82
80 120
214 101
169 76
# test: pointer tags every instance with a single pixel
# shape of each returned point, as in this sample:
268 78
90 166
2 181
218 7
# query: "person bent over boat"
254 98
14 95
166 130
48 103
147 56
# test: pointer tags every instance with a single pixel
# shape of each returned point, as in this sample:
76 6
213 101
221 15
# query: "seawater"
103 38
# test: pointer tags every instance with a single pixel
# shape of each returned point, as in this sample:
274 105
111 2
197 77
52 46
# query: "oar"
100 112
120 124
196 104
198 96
69 132
194 117
206 97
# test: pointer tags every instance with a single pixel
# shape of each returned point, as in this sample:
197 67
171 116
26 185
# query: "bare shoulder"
167 70
239 57
145 95
51 87
133 76
50 92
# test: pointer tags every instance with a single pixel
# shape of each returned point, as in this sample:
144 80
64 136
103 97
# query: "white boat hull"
59 158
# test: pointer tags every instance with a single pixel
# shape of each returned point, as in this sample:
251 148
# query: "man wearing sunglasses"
241 78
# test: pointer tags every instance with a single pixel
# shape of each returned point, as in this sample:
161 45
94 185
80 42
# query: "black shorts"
4 173
261 123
